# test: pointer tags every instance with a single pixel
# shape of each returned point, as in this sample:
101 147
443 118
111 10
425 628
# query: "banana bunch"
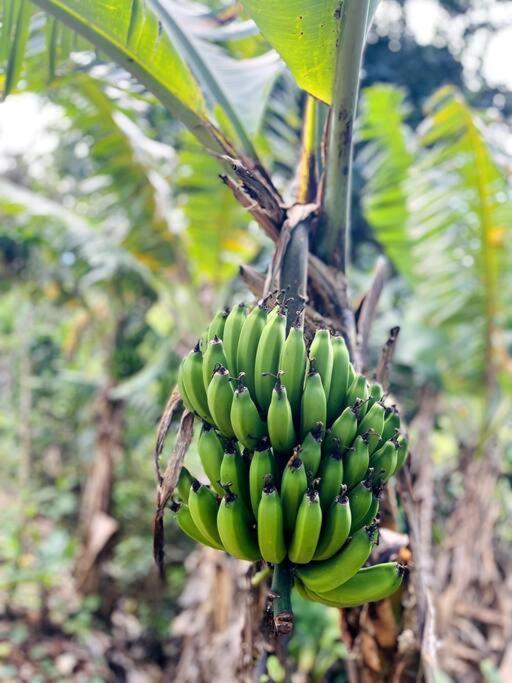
296 446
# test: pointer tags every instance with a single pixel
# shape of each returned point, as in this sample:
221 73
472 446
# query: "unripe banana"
376 394
331 478
360 499
213 358
344 429
368 585
184 483
328 574
262 465
211 453
232 330
373 510
203 342
280 420
235 528
336 528
248 345
307 528
267 359
384 462
234 473
401 453
249 428
220 398
293 486
216 327
356 461
339 381
203 507
358 390
391 423
322 353
192 376
271 524
314 404
293 365
374 441
183 392
311 451
186 524
374 419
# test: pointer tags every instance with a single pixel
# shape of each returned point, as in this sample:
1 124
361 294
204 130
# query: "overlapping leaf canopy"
443 214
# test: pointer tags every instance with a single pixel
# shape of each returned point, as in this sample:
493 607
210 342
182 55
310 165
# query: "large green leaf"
216 236
385 162
452 204
239 87
305 33
131 35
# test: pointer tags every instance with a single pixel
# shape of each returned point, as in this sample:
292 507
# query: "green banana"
328 574
249 428
355 462
373 510
376 392
213 358
339 381
262 465
391 423
311 451
183 392
293 365
220 398
203 341
307 528
233 473
203 507
211 453
374 419
216 327
235 528
293 486
344 429
321 352
267 359
280 420
374 441
184 483
186 524
358 390
248 344
314 404
331 478
384 462
360 499
194 385
271 524
232 330
370 584
401 453
336 528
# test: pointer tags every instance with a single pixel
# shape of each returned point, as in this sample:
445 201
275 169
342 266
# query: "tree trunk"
97 526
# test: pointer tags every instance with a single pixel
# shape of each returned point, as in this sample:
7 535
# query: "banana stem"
334 229
282 603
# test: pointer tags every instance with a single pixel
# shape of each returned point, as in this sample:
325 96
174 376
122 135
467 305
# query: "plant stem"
282 604
306 175
333 242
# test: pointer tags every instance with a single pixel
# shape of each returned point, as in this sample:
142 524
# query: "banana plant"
439 201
